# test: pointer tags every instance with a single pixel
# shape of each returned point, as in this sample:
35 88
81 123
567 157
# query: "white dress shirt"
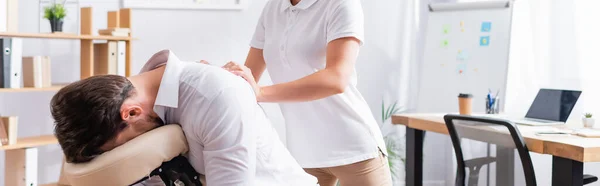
337 130
230 139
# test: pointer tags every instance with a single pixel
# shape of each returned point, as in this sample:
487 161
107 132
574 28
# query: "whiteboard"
466 51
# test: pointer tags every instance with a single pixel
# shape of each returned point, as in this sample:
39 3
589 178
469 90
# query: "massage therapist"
310 48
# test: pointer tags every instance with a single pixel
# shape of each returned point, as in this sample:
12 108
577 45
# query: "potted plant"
588 121
394 144
55 13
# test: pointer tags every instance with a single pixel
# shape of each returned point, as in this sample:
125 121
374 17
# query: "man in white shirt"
230 139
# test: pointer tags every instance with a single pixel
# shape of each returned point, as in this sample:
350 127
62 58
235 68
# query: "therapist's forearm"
319 85
341 57
256 62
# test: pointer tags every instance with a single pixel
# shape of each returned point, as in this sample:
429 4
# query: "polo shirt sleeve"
346 20
258 40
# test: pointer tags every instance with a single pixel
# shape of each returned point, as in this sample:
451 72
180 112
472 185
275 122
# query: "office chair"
475 129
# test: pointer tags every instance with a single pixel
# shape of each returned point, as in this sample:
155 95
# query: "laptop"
550 107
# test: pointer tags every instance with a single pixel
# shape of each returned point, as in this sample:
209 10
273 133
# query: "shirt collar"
303 4
168 92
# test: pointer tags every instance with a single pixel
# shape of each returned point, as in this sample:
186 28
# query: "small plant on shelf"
588 115
56 13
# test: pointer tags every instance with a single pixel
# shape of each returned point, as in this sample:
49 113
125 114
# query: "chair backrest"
473 139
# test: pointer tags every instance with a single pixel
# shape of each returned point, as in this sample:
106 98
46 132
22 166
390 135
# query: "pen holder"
492 107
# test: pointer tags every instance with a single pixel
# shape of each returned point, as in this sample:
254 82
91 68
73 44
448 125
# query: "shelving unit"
86 39
24 149
63 36
50 184
31 142
31 89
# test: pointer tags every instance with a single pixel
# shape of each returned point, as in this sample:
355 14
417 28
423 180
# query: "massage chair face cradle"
133 162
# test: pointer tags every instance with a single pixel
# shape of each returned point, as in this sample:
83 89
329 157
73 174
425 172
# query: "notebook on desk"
588 133
550 107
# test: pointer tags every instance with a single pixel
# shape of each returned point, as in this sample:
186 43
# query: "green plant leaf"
55 12
382 111
391 111
387 112
394 109
48 13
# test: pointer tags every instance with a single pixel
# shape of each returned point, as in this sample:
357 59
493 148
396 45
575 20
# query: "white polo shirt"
337 130
230 139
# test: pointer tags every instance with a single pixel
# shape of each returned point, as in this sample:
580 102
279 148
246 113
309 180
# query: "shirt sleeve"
258 39
346 20
229 138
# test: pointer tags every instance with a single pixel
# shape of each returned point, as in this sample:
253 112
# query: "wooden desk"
569 152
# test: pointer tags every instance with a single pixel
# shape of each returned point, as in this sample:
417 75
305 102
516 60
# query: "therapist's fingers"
229 65
204 62
236 68
241 74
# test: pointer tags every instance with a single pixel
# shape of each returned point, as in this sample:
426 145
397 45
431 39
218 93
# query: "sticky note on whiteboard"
484 41
486 26
445 43
446 29
460 68
462 55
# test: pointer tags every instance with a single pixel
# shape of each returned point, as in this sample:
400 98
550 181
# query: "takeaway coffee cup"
465 104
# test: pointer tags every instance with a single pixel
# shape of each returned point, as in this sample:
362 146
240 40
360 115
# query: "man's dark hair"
87 114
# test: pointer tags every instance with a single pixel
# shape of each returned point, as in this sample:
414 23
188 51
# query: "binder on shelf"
23 166
8 130
112 57
36 71
121 51
12 13
105 58
11 62
3 134
3 15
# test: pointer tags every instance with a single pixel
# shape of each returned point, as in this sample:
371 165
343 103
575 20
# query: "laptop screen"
554 105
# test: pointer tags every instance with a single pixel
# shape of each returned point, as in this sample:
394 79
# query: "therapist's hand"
245 73
203 62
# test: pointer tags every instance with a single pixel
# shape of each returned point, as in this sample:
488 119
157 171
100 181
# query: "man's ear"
130 112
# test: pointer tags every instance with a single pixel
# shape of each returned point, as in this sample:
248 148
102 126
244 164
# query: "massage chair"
158 153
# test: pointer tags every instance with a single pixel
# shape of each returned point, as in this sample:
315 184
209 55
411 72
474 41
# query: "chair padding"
131 161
